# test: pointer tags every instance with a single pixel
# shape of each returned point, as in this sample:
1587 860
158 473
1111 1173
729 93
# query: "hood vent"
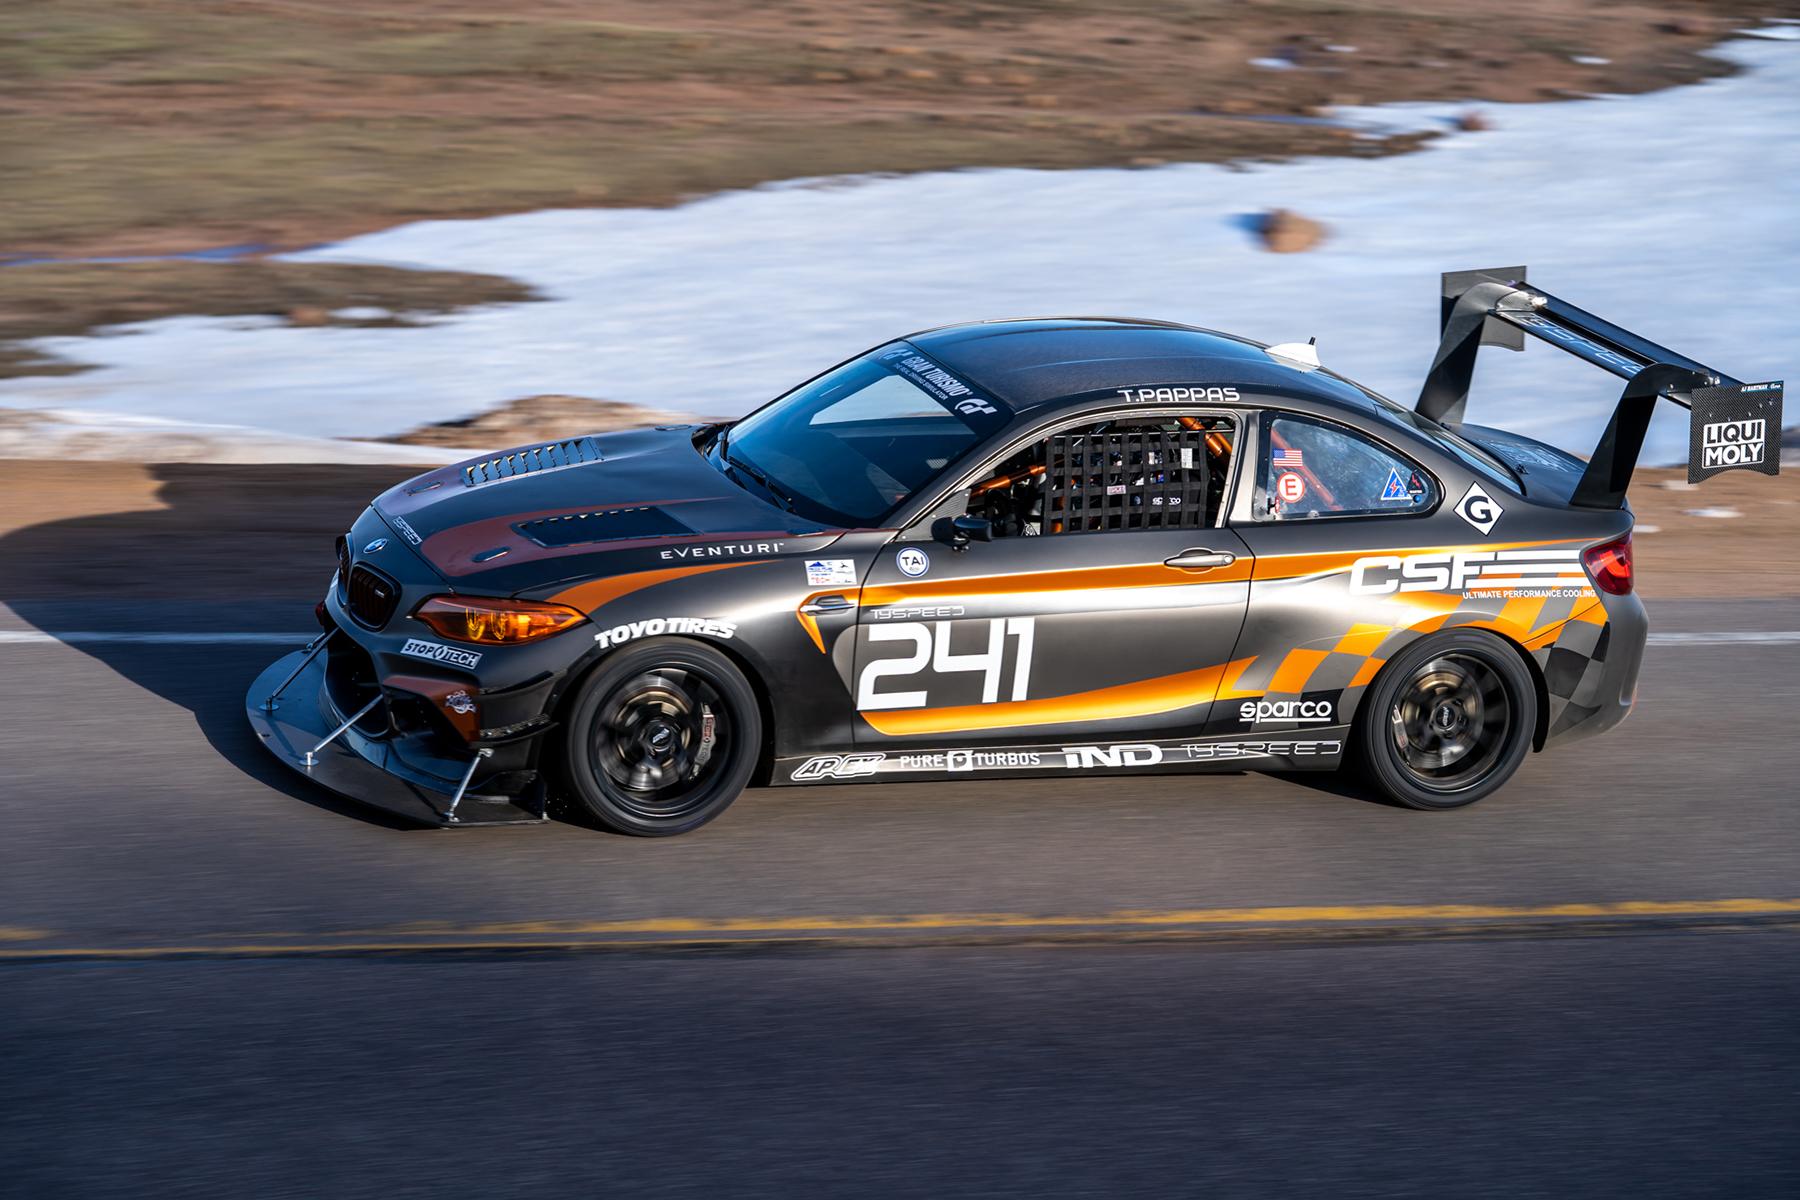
531 460
602 525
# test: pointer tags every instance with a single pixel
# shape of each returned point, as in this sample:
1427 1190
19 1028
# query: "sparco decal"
1472 572
1310 711
438 652
657 626
932 654
722 550
1177 395
839 766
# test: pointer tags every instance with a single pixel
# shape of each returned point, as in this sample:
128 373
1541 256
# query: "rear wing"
1735 425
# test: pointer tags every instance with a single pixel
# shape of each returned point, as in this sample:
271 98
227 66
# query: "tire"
1448 720
661 738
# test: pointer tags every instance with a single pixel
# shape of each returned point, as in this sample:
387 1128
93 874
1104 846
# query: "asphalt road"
1036 988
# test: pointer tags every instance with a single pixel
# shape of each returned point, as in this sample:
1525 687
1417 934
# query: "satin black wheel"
662 738
1449 720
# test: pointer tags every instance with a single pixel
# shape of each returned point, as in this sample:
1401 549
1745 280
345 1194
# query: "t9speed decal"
1512 572
932 653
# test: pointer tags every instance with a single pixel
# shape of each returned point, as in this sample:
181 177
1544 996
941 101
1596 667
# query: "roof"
1030 363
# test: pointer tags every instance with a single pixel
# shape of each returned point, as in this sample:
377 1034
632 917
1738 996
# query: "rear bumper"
369 761
1591 670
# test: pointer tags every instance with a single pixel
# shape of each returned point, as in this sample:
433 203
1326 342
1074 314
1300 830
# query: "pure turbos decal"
1734 428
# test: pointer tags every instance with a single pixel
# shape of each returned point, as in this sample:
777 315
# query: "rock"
1472 122
308 315
1687 26
539 418
1287 232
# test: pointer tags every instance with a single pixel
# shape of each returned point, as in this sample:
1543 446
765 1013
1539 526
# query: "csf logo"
1479 509
838 766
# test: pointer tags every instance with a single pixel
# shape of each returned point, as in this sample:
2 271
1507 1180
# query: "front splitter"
365 769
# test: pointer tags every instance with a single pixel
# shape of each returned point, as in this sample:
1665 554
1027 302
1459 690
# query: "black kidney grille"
531 459
343 557
371 596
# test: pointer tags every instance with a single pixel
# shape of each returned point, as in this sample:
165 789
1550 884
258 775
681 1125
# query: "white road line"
1784 637
32 637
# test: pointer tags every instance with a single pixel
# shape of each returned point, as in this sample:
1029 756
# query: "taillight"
1609 565
494 622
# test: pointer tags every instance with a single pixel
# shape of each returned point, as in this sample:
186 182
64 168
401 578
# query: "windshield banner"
947 389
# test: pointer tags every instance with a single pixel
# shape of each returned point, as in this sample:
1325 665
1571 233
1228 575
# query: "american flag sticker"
1286 460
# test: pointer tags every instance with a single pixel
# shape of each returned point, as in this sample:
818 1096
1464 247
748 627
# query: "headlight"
495 622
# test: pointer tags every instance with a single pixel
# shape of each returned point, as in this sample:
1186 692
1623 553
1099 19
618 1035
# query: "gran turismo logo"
1479 509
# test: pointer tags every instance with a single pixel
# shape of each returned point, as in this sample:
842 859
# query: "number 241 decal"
931 651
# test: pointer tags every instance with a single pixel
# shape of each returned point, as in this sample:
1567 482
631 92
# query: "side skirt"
1319 749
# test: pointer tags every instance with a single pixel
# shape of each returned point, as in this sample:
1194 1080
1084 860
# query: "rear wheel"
1448 721
662 737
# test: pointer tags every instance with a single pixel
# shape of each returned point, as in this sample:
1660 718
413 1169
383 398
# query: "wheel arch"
1541 731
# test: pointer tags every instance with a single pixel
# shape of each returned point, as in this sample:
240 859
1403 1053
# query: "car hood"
553 511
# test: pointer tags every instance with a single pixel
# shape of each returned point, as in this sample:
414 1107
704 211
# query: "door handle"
1200 559
827 604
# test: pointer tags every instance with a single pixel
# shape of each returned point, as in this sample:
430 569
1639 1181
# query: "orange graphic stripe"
1295 670
1293 566
1362 639
596 592
1081 579
1366 672
1143 699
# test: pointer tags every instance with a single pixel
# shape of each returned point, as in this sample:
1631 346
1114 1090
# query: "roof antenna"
1302 356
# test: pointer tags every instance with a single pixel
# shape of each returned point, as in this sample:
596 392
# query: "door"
1104 609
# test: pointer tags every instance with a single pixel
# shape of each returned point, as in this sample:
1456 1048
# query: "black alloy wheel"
662 737
1449 720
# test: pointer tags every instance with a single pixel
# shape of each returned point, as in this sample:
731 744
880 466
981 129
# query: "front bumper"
370 761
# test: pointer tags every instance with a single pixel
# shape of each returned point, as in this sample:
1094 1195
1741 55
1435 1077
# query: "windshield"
848 447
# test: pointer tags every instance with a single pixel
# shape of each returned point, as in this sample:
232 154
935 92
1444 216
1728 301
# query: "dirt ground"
263 531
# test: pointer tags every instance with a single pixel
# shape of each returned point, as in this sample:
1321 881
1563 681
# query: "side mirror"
958 532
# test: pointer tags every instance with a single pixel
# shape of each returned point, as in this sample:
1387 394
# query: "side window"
1110 475
1311 469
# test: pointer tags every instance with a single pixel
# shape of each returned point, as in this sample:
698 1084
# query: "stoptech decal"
658 626
438 652
1471 572
932 656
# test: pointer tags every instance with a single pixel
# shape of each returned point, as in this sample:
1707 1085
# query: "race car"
1027 547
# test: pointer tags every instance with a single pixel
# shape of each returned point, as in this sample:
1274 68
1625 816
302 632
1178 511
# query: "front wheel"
662 737
1448 721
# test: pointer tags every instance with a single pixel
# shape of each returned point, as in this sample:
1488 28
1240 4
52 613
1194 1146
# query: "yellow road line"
825 930
1330 914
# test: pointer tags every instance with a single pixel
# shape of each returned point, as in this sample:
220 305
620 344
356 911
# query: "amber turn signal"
494 622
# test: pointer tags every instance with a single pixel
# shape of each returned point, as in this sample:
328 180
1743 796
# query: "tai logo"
375 546
913 562
1479 509
1310 711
